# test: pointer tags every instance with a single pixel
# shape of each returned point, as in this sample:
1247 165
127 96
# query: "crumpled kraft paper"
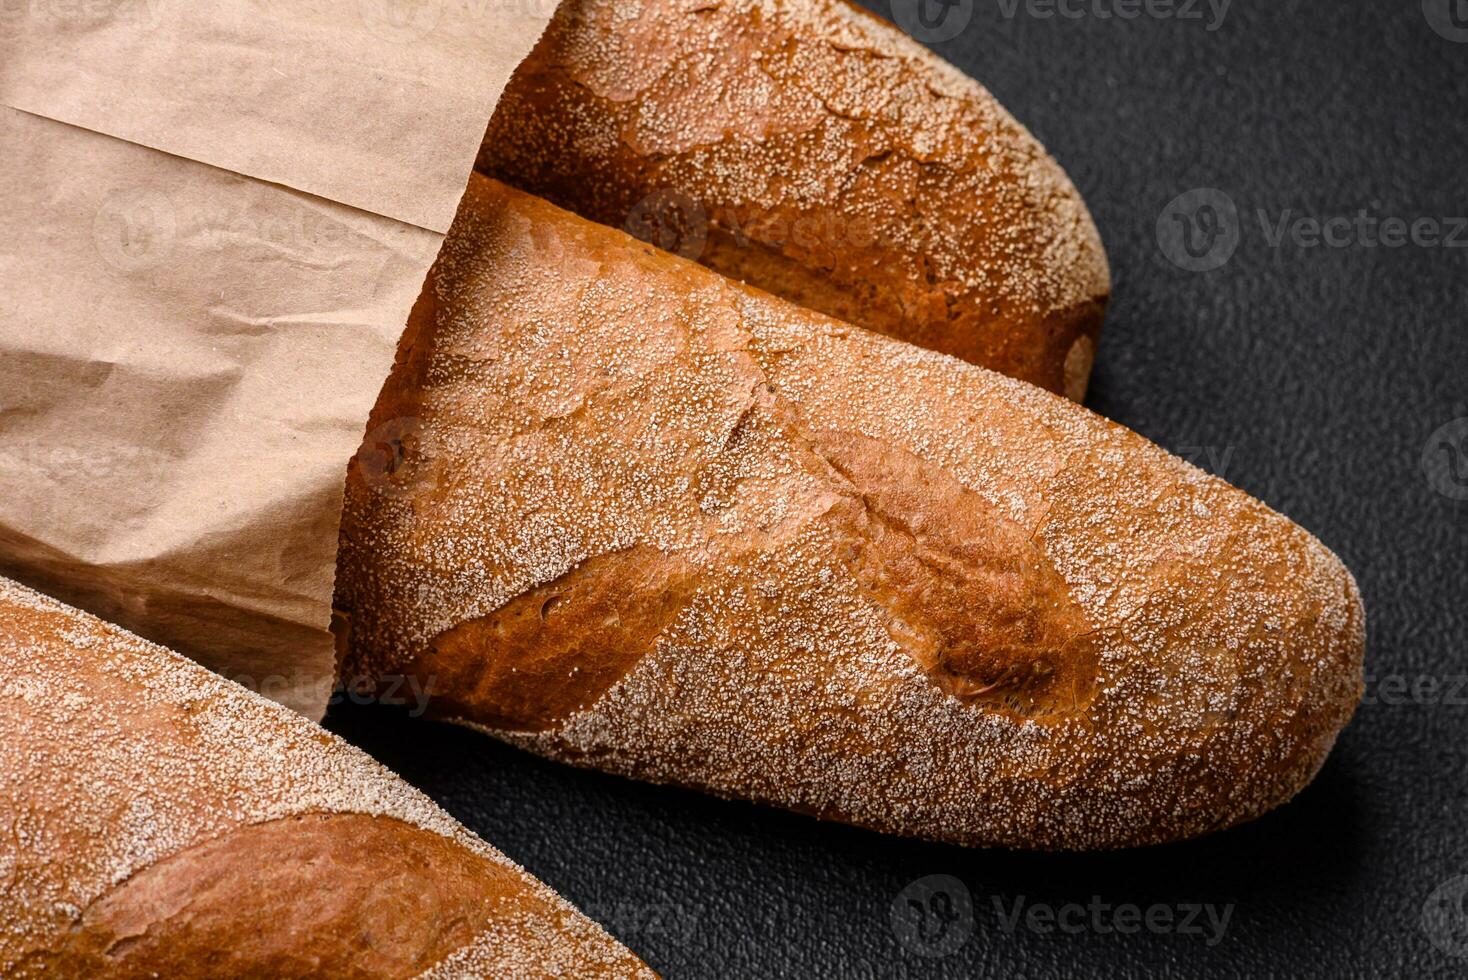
216 218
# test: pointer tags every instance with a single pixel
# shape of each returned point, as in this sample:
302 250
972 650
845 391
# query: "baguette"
629 514
813 150
161 821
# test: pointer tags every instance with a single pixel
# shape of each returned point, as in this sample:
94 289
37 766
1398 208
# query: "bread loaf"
161 821
813 150
630 514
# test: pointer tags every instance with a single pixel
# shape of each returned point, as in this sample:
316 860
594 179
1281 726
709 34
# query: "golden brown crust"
340 895
813 150
798 562
560 646
173 824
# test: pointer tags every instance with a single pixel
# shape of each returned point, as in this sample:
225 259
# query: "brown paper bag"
217 216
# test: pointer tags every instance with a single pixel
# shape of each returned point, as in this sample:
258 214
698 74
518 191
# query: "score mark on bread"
389 900
967 594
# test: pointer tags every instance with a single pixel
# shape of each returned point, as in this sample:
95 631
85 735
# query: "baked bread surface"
160 821
629 514
813 150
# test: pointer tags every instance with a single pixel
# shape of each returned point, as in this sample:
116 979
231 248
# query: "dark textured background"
1311 377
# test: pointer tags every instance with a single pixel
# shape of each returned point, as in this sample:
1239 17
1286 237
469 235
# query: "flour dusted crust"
635 516
159 820
813 150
